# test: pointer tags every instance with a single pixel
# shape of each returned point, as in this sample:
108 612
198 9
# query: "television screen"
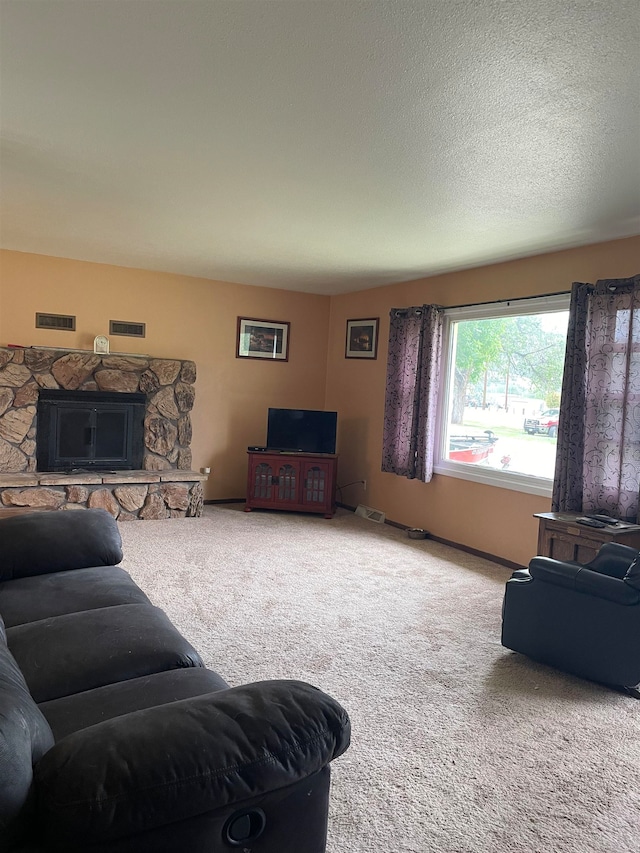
305 430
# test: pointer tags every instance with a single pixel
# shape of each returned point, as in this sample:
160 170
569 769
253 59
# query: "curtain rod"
611 285
418 311
507 301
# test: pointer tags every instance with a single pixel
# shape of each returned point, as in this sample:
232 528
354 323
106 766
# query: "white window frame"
503 479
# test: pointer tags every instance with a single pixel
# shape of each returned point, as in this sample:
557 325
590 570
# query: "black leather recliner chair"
581 619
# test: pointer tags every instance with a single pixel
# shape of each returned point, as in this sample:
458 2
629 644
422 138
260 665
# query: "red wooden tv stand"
297 482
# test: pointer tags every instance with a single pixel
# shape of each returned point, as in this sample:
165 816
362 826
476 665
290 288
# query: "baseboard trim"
228 501
494 558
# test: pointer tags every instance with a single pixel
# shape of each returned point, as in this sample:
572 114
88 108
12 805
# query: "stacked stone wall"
166 488
168 384
126 496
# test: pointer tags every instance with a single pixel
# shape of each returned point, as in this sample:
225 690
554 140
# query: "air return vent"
65 322
131 330
371 514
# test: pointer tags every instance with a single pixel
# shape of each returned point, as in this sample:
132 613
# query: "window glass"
499 411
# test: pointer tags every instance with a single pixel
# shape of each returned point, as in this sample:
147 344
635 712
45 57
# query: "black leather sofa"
582 619
115 737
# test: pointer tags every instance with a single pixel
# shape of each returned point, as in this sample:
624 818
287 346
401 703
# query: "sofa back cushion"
81 651
25 736
42 596
40 542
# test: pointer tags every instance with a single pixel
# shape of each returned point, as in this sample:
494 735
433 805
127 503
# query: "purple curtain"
567 485
413 377
598 453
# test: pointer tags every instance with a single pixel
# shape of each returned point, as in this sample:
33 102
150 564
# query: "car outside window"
544 424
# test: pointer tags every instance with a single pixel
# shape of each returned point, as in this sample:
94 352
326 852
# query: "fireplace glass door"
89 430
90 434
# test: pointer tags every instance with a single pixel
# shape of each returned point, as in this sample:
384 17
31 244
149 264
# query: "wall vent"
371 514
131 330
65 322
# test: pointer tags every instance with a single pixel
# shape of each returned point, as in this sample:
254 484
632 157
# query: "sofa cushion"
25 736
72 713
41 596
39 542
81 651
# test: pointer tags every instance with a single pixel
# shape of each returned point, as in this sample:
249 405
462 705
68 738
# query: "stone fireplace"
163 487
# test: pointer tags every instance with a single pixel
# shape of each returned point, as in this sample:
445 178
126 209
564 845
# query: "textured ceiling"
315 145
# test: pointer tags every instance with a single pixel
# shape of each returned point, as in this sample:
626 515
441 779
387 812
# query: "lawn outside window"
501 384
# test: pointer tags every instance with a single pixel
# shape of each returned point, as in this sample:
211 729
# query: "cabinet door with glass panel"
318 485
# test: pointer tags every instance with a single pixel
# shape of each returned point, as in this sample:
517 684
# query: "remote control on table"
605 519
590 522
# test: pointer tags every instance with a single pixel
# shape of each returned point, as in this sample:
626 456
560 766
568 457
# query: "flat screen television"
304 430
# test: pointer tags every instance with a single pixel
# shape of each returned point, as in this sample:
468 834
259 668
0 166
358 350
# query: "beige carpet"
459 746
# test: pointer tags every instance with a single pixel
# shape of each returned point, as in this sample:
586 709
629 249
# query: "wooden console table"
301 482
560 537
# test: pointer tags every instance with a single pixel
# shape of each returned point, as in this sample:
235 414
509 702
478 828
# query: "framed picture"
362 338
262 339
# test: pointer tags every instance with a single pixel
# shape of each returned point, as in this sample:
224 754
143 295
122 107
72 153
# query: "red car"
546 423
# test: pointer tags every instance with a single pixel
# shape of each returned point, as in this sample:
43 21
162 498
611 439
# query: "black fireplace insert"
89 430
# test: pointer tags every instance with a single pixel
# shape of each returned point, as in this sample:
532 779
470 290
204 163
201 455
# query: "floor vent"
131 330
371 514
65 322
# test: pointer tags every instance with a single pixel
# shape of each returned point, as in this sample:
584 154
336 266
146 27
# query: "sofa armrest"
558 572
582 579
39 543
172 762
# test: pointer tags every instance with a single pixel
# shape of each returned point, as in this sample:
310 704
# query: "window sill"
494 477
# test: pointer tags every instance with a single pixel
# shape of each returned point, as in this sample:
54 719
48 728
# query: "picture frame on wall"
266 339
362 338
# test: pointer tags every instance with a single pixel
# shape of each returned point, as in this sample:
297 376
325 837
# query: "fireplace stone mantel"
166 487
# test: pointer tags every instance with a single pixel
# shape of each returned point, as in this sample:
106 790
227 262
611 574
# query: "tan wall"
187 318
195 319
497 521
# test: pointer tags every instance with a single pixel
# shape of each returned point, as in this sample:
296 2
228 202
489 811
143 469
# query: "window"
499 406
